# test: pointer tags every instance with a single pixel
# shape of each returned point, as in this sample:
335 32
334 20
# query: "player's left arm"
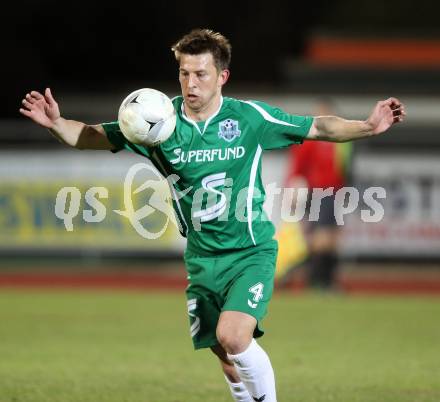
336 129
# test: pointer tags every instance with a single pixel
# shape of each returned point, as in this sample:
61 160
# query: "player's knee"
233 340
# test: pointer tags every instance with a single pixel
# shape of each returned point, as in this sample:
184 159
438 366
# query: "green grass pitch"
117 346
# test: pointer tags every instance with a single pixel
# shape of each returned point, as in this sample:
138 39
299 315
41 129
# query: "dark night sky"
94 45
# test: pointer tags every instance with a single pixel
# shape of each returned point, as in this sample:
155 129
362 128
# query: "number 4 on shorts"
257 291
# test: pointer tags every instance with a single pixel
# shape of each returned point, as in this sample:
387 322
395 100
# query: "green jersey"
217 189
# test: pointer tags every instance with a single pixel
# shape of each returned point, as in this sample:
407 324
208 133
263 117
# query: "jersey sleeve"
116 137
279 129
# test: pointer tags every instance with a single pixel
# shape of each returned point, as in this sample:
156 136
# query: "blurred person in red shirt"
323 165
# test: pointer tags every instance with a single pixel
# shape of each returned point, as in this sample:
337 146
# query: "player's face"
200 81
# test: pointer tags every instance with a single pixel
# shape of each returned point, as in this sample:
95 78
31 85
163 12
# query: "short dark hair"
200 41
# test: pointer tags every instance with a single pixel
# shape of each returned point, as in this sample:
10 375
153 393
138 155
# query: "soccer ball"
147 117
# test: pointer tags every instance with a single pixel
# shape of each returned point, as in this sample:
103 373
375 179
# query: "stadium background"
93 54
289 54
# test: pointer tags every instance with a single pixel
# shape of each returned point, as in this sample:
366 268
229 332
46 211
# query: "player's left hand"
385 114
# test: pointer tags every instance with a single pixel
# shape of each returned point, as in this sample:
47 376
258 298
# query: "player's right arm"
44 110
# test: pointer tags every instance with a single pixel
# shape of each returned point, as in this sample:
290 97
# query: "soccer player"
216 150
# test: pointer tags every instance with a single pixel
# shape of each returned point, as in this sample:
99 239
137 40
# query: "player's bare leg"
235 334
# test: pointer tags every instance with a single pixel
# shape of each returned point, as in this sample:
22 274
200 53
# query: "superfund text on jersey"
217 189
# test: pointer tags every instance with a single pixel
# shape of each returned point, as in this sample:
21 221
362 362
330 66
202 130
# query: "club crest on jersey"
228 130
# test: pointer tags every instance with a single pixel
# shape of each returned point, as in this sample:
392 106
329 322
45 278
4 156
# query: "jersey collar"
206 122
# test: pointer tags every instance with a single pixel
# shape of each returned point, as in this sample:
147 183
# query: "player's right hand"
42 109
